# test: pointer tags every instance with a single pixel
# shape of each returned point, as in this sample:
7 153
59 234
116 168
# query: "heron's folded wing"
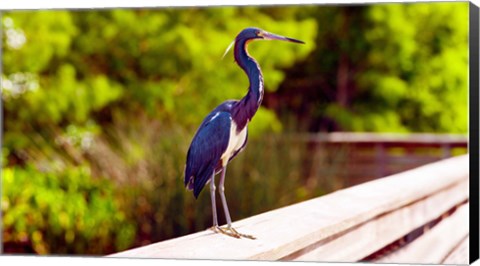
208 145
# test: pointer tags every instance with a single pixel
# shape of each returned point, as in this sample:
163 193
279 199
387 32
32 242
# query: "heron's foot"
230 231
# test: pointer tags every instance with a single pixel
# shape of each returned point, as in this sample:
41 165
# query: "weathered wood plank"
460 254
436 244
287 230
375 234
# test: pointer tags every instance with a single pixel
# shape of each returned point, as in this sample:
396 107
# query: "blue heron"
223 133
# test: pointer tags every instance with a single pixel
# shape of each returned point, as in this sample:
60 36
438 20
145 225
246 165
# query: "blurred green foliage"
383 68
62 212
100 107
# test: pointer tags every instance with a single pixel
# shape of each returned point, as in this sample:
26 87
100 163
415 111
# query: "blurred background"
100 106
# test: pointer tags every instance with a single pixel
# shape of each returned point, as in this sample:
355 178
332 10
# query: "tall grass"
141 162
273 171
147 158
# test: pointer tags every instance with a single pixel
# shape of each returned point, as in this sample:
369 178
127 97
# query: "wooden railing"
374 155
417 216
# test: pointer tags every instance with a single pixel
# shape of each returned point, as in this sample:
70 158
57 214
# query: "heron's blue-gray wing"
206 149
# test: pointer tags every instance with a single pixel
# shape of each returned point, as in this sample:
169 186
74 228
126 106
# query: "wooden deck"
417 216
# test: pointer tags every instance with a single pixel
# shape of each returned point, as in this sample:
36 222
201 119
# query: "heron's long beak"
271 36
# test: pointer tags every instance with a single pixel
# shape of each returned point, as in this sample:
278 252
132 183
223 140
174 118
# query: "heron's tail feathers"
196 181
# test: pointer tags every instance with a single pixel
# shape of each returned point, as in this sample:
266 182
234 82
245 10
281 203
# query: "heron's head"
250 34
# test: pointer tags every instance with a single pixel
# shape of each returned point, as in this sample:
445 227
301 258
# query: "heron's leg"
229 230
214 205
222 196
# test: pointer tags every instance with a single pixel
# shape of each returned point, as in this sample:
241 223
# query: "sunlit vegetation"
99 108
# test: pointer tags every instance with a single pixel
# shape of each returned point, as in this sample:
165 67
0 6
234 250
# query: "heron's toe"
230 231
242 235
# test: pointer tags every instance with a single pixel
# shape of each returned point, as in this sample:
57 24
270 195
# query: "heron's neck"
246 108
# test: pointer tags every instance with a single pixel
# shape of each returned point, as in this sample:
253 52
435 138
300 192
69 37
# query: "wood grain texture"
460 254
285 231
436 244
375 234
